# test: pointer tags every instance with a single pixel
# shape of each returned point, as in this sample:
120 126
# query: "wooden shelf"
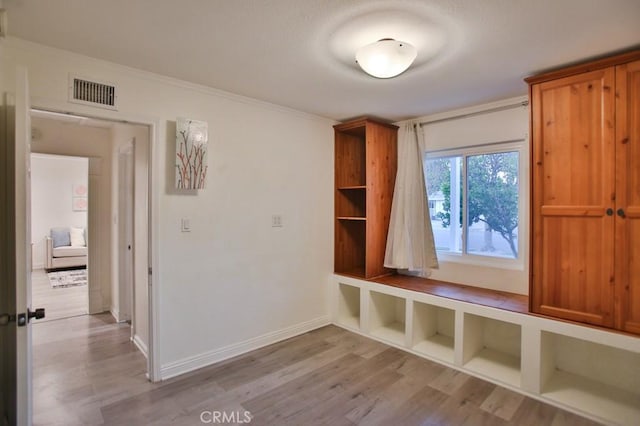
355 272
349 188
365 171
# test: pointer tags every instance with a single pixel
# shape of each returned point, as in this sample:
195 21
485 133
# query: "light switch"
185 225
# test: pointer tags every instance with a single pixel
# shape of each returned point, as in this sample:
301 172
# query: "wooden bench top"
481 296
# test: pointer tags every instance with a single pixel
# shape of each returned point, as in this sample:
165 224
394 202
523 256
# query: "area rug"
70 278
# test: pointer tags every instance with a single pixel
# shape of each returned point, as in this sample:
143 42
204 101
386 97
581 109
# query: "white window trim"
520 146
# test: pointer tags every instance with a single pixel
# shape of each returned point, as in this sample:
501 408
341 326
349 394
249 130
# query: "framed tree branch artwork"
191 153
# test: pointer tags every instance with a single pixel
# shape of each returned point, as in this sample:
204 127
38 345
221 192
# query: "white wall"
233 282
501 126
52 179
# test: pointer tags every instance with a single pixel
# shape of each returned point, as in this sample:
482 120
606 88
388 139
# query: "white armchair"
65 256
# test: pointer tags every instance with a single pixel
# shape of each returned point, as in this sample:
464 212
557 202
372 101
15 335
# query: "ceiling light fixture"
386 58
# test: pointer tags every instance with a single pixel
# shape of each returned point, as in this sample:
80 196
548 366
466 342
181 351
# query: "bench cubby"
586 370
387 317
492 348
349 306
603 380
433 331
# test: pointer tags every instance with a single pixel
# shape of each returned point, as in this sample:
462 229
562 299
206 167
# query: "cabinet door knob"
609 211
620 212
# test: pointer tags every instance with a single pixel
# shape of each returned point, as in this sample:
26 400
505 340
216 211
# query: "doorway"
59 213
117 156
16 116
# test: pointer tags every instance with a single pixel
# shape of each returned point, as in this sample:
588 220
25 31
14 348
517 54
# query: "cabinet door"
573 186
628 196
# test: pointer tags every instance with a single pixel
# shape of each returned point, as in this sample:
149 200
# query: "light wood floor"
58 302
87 372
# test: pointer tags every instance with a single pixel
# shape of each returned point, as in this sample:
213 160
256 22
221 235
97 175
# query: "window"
479 187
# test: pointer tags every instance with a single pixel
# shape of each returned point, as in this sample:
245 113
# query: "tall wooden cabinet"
365 172
585 230
627 267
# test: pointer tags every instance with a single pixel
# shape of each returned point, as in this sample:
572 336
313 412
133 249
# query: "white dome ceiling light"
386 58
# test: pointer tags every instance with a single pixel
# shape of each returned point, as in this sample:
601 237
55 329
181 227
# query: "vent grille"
92 93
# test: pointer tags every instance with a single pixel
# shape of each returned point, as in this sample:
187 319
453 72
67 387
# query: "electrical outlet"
276 221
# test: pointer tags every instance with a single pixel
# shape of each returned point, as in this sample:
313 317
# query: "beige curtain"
410 243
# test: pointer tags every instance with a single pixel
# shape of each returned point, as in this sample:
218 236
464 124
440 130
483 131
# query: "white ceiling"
299 53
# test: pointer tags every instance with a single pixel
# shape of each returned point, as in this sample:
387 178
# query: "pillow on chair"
60 237
77 237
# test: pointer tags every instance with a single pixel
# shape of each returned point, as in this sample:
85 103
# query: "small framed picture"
79 204
79 190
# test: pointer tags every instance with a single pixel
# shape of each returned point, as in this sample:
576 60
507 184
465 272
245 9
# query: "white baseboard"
188 364
141 345
115 314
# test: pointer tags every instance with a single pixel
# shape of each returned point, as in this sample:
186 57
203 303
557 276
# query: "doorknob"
6 319
620 212
609 211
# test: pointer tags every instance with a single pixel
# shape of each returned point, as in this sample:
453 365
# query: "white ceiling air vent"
90 92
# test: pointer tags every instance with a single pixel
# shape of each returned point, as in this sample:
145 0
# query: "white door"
16 252
125 233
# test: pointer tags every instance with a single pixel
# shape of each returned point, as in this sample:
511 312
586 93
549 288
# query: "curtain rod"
473 114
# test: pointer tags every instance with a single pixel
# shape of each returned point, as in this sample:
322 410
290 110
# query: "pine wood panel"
381 176
479 296
349 159
591 65
628 196
351 202
573 185
350 243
